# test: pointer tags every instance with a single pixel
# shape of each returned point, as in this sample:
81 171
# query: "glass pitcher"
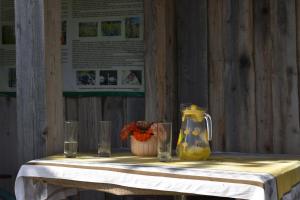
195 134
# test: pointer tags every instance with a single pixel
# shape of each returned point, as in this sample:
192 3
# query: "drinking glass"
70 138
164 137
104 138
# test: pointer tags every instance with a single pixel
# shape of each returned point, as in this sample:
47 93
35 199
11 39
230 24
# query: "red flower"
141 131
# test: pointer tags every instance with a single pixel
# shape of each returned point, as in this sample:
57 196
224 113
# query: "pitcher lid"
194 111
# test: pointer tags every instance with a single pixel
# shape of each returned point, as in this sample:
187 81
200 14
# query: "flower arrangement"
142 136
140 130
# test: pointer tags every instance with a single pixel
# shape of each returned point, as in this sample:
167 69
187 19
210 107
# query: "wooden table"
227 175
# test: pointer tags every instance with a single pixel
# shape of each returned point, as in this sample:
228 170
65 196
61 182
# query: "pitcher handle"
209 125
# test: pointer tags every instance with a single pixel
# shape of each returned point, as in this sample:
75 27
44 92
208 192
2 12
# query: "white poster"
102 47
7 47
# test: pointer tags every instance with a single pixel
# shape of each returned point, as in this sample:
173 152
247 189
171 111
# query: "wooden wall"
240 59
254 75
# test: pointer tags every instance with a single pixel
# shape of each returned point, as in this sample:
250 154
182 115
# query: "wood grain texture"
298 44
160 65
216 73
192 52
246 76
30 69
71 108
39 102
113 110
54 98
263 79
135 109
240 126
286 134
230 37
89 113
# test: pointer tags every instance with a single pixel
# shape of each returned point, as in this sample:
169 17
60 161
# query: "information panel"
102 47
7 47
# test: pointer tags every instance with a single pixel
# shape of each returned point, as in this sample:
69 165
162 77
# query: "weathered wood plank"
230 37
239 77
39 94
160 65
54 98
286 133
246 76
89 113
298 48
113 110
135 109
216 73
192 52
71 108
31 143
263 73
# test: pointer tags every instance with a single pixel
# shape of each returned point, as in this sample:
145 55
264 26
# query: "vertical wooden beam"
298 50
230 37
286 134
192 52
71 108
246 76
263 76
160 65
89 112
54 99
239 76
113 110
39 85
216 72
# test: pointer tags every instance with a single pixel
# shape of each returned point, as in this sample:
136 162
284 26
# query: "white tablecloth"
144 175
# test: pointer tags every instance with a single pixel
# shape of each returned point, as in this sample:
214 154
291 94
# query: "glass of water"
104 138
70 140
164 144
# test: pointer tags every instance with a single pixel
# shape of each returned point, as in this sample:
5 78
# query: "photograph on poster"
63 38
85 77
8 34
111 28
131 77
12 77
132 27
108 77
88 29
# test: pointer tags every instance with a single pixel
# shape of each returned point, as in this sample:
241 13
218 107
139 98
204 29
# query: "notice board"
102 47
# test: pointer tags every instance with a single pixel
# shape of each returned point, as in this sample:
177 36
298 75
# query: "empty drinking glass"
164 136
104 138
70 138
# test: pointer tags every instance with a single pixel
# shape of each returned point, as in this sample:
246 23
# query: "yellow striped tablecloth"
233 175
